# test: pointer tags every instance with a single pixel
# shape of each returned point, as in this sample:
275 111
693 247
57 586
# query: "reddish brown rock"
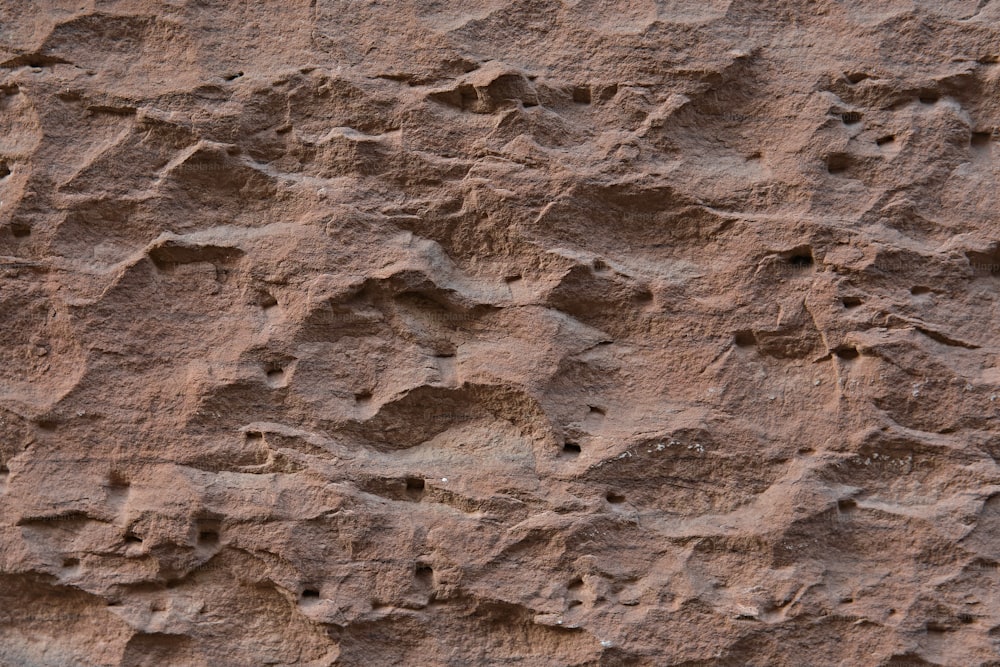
486 333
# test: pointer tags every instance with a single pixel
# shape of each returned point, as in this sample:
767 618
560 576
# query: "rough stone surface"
374 333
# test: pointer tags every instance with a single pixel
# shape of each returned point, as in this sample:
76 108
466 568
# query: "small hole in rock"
851 117
596 410
132 538
966 618
599 265
233 77
415 484
581 95
20 230
363 396
882 141
47 425
423 572
575 603
929 97
801 260
254 435
615 498
645 296
979 140
4 170
744 339
851 301
275 375
513 279
847 505
837 164
847 352
572 448
118 481
608 92
117 478
266 300
919 289
208 537
71 562
857 77
575 584
310 593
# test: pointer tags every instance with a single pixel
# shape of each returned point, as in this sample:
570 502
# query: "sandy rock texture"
535 332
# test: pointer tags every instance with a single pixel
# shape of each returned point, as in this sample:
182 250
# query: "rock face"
532 333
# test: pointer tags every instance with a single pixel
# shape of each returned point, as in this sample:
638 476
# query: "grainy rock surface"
374 333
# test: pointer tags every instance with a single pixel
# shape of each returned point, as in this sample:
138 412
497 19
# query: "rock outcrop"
499 333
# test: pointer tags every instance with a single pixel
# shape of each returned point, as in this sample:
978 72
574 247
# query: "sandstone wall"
371 333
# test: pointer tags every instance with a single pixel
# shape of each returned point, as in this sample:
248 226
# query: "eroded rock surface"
499 333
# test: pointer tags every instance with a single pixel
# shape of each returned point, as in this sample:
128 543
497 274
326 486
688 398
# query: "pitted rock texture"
532 333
